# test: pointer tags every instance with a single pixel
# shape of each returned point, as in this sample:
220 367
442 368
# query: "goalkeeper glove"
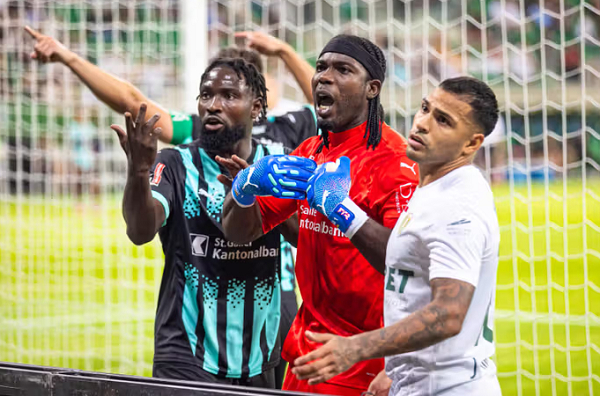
328 191
282 176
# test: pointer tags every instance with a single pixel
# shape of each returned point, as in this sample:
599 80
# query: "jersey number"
389 285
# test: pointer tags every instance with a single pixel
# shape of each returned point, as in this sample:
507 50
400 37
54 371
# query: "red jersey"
342 293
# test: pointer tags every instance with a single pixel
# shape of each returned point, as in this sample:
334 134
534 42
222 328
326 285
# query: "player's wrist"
243 198
349 217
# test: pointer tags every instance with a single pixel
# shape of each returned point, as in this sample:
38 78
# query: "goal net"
76 292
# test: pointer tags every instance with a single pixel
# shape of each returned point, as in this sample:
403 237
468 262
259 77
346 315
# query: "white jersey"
449 230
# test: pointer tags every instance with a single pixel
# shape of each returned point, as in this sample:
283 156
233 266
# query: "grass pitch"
76 293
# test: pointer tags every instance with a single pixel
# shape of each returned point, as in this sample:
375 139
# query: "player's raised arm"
328 192
272 46
118 94
142 213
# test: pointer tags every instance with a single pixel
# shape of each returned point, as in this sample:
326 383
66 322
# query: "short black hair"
253 78
376 114
479 96
248 55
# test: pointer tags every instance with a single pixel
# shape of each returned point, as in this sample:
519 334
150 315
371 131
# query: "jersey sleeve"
391 189
456 244
185 127
292 128
163 179
275 211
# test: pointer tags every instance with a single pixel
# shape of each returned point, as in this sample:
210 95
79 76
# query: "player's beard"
222 142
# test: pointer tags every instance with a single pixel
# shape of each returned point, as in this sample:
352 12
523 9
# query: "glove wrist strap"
245 201
349 217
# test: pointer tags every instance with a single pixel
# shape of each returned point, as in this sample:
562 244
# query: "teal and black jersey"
219 302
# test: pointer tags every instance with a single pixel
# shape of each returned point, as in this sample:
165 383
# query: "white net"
542 58
77 294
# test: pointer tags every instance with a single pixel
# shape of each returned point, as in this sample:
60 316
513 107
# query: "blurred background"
74 292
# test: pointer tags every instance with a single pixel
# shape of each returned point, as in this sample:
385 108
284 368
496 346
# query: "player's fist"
48 49
263 43
282 176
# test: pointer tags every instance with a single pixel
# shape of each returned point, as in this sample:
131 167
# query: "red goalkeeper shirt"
342 294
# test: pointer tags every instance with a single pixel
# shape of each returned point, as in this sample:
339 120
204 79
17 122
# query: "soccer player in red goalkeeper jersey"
342 293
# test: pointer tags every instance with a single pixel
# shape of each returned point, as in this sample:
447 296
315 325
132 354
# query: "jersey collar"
353 136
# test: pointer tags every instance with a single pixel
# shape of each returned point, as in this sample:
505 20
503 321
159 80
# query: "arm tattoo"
442 318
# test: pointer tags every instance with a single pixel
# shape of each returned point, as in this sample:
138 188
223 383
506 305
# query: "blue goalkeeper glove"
282 176
328 191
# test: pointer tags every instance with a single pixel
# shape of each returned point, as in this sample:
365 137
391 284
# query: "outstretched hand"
234 165
140 141
47 49
336 355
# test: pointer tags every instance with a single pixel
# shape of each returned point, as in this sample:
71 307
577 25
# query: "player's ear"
373 88
256 108
474 143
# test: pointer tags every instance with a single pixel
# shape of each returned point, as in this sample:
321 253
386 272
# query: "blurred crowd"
55 126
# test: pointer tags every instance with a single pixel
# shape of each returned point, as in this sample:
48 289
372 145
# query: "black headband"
342 45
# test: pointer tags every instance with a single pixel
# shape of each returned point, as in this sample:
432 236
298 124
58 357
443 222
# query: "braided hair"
254 79
376 113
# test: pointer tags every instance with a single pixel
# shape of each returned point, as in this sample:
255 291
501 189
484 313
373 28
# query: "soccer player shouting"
219 302
441 260
341 292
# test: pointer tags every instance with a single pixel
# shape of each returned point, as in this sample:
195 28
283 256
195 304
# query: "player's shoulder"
466 191
170 154
390 160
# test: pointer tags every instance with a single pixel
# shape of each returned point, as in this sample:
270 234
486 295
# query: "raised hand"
262 42
281 176
140 141
328 189
48 49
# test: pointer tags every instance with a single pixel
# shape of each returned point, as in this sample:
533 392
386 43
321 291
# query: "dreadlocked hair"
375 115
253 78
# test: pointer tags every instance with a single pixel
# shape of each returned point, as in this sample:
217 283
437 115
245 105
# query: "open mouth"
324 103
415 141
213 123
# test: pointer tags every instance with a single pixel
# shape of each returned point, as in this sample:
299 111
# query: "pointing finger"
36 35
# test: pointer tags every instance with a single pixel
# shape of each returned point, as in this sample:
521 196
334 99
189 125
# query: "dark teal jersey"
219 302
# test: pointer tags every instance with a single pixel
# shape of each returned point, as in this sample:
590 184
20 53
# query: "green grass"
76 293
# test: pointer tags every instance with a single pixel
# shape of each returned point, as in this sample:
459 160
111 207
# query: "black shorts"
189 372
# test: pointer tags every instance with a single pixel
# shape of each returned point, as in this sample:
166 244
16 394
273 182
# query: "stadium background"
74 292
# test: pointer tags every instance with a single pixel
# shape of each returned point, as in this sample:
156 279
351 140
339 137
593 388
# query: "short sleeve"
184 127
275 211
391 190
456 245
163 179
292 128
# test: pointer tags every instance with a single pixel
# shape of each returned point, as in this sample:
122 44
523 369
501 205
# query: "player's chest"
407 248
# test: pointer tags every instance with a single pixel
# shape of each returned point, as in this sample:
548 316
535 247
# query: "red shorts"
291 383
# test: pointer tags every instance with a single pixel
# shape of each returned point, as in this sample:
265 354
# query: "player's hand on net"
140 141
281 176
262 42
48 49
336 355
